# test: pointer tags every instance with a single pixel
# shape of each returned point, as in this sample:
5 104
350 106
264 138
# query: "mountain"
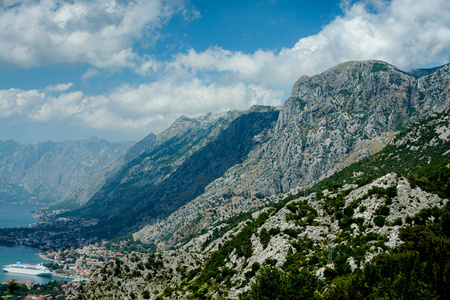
330 121
48 172
79 196
380 229
218 165
184 160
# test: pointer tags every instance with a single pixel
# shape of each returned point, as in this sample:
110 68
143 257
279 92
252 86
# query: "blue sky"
122 69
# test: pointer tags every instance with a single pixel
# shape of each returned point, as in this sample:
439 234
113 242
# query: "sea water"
19 215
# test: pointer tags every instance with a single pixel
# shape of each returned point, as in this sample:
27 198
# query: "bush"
379 220
383 210
264 237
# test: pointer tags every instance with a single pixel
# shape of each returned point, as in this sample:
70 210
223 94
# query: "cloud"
147 107
91 72
59 87
406 33
100 33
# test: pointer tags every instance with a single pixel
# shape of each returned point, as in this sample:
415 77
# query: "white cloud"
406 33
91 72
100 33
59 87
147 107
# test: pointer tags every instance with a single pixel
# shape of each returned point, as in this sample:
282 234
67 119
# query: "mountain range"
351 167
48 172
360 210
212 167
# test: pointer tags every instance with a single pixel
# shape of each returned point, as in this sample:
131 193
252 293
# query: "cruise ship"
20 268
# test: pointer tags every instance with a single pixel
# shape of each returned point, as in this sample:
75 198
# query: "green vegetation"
419 159
242 246
53 288
377 67
302 213
272 283
417 269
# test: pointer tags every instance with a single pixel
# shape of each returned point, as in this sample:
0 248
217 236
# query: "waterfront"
19 215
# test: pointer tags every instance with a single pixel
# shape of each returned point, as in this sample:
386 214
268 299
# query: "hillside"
184 160
373 233
48 172
219 165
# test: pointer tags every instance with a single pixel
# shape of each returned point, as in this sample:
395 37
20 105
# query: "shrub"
383 211
264 237
379 220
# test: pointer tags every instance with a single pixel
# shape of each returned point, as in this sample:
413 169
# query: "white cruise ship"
20 268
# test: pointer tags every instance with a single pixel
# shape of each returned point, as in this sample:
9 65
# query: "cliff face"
330 121
48 172
350 108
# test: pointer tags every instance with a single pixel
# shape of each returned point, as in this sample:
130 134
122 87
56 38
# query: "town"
69 255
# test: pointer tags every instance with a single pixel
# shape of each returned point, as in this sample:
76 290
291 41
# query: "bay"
19 215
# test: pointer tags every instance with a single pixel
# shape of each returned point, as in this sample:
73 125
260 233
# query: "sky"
120 69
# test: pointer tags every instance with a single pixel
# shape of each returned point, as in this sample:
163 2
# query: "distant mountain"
423 72
79 196
48 172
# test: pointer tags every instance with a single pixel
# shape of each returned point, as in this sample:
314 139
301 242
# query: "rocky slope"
184 160
332 235
330 121
48 172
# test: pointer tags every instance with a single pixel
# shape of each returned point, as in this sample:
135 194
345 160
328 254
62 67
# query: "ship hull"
27 271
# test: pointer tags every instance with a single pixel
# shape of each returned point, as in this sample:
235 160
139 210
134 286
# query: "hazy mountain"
79 196
48 172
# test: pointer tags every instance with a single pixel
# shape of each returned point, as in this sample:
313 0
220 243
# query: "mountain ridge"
331 120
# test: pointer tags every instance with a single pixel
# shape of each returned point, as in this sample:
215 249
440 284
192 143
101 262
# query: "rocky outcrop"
138 274
301 229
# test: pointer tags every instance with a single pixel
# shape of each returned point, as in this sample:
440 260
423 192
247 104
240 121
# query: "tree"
13 287
146 294
272 283
268 284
